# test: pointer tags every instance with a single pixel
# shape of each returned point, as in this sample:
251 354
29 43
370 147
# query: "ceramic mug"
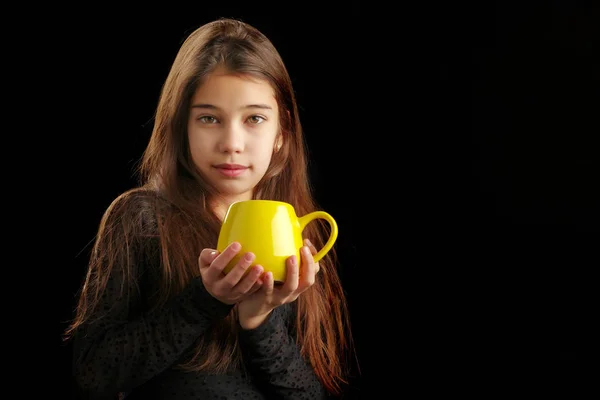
271 230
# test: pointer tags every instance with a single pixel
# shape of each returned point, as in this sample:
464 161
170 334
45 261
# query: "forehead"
232 91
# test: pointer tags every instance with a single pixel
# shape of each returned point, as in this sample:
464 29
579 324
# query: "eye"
207 119
256 119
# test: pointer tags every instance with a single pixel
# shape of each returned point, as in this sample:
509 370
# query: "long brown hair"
322 323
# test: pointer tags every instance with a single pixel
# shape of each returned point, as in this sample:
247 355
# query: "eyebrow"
213 107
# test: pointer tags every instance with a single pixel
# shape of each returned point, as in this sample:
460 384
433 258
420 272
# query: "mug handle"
304 220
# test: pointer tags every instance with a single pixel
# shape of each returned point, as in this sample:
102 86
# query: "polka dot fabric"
134 350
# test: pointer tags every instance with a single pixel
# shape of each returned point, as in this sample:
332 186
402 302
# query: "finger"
250 283
308 269
236 274
311 246
292 275
221 260
257 285
268 283
313 250
206 257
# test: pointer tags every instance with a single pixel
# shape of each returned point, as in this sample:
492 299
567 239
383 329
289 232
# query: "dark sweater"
135 349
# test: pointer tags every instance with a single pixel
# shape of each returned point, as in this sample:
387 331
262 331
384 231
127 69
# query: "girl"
156 317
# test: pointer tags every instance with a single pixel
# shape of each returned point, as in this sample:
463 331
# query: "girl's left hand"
253 310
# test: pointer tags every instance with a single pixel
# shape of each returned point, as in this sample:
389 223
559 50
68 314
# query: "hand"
237 284
255 308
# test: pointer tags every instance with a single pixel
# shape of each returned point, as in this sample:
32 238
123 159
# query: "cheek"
197 146
197 138
192 145
266 162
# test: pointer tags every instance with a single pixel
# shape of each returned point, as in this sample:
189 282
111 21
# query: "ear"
279 139
278 142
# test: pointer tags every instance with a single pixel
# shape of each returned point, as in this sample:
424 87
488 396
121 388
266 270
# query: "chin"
232 190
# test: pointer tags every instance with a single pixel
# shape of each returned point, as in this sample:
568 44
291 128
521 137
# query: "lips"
231 166
231 170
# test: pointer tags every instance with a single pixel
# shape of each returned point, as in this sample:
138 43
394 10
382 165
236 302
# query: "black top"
134 349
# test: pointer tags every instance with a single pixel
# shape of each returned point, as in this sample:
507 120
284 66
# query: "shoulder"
136 200
135 207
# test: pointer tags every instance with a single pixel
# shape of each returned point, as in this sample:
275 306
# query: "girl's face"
232 130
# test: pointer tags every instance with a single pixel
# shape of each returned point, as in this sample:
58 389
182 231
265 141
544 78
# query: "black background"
456 146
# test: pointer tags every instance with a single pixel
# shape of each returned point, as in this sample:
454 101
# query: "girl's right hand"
233 287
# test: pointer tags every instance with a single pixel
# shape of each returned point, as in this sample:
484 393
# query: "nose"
232 139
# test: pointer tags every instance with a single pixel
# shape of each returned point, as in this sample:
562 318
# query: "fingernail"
236 246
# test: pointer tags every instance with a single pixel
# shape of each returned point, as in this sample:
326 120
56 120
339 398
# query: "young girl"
156 317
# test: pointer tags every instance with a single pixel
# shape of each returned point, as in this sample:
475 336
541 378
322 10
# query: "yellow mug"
271 230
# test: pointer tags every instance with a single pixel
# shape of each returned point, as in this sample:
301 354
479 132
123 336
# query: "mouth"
230 170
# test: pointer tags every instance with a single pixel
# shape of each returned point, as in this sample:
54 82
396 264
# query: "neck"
220 205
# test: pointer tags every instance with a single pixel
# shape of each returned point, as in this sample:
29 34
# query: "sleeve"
274 360
131 343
